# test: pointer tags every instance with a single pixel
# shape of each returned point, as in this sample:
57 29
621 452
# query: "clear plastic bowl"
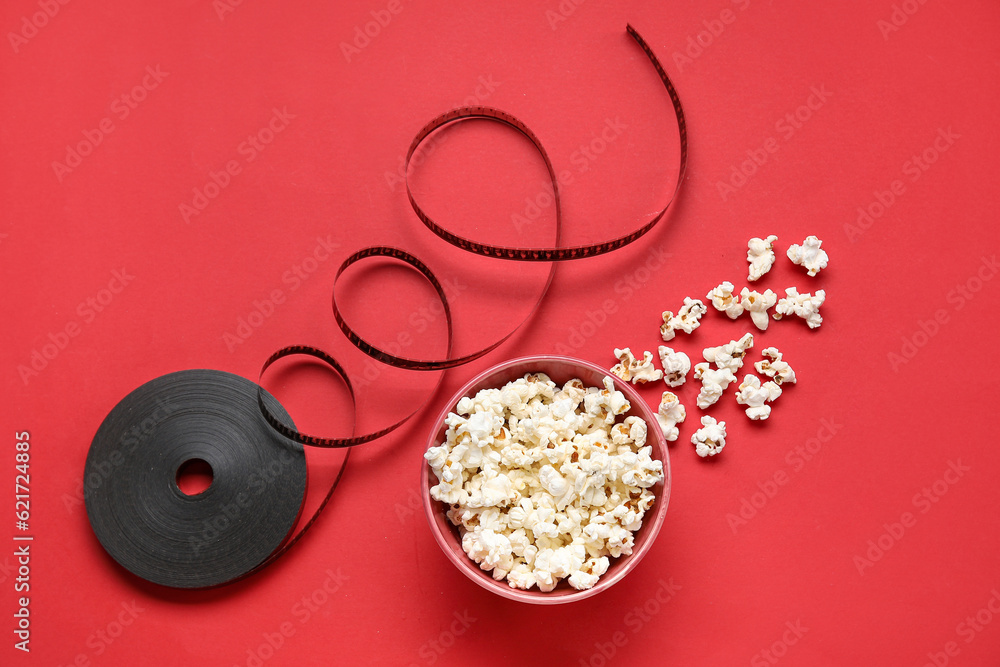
560 370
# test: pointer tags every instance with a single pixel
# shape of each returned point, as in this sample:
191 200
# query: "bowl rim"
651 524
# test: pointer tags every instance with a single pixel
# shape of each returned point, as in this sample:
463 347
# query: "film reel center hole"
194 477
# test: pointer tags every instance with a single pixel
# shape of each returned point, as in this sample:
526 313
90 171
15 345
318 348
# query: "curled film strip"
157 532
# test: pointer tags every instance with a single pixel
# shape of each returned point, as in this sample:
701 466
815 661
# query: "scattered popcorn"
760 254
804 305
774 368
809 255
546 483
758 304
670 413
710 438
687 318
630 368
587 575
731 354
723 299
675 366
753 395
713 383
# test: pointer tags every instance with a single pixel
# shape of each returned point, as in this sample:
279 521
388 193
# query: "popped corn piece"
480 427
616 399
675 366
521 576
544 524
573 389
670 413
667 328
483 401
518 516
589 573
556 484
602 406
489 489
755 396
551 565
491 518
437 456
468 518
631 431
646 499
519 542
760 254
710 438
630 368
731 354
809 254
804 305
774 367
490 549
758 304
449 493
723 300
620 541
645 473
688 318
713 383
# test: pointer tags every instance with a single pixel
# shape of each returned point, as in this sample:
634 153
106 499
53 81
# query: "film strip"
550 254
162 535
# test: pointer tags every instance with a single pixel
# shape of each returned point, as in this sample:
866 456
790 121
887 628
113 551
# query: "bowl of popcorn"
546 479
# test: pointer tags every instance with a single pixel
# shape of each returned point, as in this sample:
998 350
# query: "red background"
738 587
